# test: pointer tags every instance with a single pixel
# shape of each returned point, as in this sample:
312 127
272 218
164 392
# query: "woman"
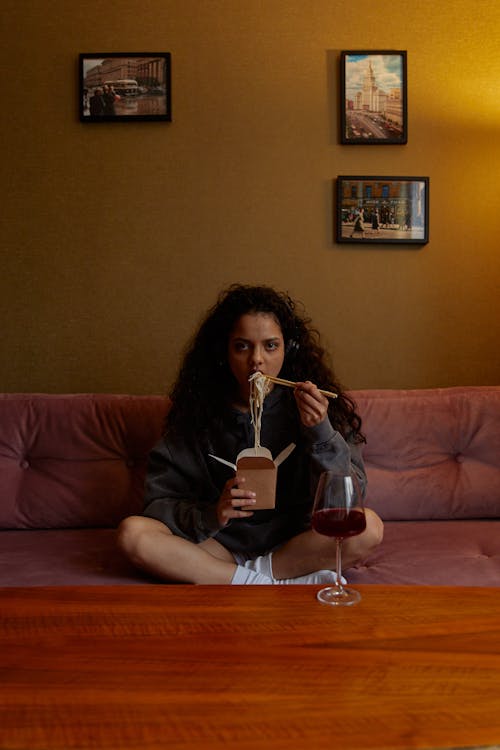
359 225
194 528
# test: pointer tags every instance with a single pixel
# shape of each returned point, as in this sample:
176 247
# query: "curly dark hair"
205 384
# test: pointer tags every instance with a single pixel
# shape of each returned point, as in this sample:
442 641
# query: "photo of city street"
120 87
382 210
374 97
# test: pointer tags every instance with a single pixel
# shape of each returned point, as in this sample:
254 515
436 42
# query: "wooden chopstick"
291 384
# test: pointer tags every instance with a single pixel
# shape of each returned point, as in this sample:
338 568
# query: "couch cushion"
59 557
446 553
74 460
432 453
434 553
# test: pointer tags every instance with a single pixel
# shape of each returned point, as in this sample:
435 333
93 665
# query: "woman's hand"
232 499
312 405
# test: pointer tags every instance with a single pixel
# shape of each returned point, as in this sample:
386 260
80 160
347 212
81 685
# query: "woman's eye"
240 346
272 345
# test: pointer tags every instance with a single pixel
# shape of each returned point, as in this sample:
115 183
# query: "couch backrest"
74 460
80 460
432 453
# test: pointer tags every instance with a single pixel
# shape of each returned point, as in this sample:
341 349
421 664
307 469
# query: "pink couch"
72 466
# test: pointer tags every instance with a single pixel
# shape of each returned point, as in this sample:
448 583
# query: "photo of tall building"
374 98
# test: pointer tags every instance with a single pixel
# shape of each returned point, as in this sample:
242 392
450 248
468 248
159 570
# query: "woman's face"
255 344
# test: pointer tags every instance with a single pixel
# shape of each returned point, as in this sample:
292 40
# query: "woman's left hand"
312 405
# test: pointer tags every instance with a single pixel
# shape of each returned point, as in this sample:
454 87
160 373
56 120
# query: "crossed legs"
151 546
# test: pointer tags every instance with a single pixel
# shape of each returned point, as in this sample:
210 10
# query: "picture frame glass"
124 86
374 97
382 210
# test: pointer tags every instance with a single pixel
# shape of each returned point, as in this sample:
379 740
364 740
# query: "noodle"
259 388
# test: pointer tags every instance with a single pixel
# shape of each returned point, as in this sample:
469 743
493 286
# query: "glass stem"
338 564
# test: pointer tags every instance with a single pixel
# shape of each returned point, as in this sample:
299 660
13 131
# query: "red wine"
336 522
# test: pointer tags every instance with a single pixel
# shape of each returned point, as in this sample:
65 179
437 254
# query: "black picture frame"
141 82
373 97
391 210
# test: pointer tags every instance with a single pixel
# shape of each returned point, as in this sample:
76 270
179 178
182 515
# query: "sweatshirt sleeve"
180 493
330 451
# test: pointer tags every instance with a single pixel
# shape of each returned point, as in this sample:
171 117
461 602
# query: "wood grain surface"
248 667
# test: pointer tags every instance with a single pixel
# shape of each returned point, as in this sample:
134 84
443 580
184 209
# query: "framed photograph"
124 86
373 91
382 210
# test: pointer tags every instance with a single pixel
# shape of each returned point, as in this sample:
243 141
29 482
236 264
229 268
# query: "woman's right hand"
232 499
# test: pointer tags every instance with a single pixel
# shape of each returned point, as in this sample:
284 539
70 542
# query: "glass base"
338 596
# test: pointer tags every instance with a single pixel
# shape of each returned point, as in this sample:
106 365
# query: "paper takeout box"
260 474
260 471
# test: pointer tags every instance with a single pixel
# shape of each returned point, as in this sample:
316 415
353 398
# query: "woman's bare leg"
217 550
151 546
311 551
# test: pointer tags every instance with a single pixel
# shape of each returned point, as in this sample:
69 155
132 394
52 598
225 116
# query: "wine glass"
338 512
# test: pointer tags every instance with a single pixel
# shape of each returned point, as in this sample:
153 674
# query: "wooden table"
248 667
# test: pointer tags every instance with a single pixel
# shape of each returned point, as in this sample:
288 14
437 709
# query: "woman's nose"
257 355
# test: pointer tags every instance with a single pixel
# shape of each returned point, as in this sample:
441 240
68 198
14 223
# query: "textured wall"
118 236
